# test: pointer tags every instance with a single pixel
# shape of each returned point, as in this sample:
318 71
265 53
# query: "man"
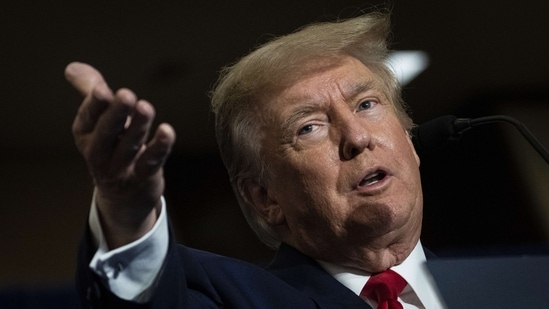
315 138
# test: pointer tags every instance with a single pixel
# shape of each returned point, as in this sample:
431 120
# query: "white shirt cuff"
130 271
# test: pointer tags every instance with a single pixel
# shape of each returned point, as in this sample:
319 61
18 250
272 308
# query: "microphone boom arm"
463 124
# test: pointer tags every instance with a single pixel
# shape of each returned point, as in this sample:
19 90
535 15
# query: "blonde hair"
275 65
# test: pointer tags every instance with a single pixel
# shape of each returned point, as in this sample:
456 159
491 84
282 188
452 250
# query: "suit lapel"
307 276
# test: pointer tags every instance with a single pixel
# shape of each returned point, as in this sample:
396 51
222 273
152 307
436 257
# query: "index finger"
83 77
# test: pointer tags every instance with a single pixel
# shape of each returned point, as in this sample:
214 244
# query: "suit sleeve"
190 278
170 290
130 271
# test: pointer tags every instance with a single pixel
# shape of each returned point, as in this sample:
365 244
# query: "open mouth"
372 178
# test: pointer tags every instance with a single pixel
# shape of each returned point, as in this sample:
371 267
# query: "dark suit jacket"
196 279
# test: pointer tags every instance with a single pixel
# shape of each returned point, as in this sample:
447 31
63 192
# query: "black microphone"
435 133
439 131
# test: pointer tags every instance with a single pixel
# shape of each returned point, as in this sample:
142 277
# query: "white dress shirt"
421 291
130 271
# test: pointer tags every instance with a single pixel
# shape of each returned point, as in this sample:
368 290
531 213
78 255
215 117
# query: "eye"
366 105
306 129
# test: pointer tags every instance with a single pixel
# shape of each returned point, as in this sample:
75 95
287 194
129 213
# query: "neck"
375 256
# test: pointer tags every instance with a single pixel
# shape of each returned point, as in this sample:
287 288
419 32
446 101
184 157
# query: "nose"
355 137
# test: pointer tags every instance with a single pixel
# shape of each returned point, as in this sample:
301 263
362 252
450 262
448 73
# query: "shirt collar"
412 269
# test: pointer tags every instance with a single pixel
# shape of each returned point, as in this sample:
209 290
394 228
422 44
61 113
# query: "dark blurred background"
487 194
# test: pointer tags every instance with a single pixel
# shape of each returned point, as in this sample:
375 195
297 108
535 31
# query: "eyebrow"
361 87
295 116
309 108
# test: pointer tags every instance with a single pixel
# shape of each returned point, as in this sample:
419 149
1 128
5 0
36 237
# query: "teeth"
372 179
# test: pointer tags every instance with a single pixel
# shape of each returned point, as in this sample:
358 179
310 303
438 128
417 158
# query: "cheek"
413 149
302 186
409 161
402 145
410 164
311 168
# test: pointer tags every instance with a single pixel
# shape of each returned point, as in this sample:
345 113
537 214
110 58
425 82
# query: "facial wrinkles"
326 101
323 223
301 165
316 186
327 219
399 166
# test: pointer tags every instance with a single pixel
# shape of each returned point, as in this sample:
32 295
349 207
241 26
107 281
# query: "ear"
257 196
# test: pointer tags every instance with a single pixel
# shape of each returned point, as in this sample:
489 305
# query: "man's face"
343 171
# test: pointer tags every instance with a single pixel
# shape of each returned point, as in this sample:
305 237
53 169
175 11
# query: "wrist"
123 223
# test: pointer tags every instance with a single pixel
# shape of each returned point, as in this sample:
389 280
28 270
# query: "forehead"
319 86
346 76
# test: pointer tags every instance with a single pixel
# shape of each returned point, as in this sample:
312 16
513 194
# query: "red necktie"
385 288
